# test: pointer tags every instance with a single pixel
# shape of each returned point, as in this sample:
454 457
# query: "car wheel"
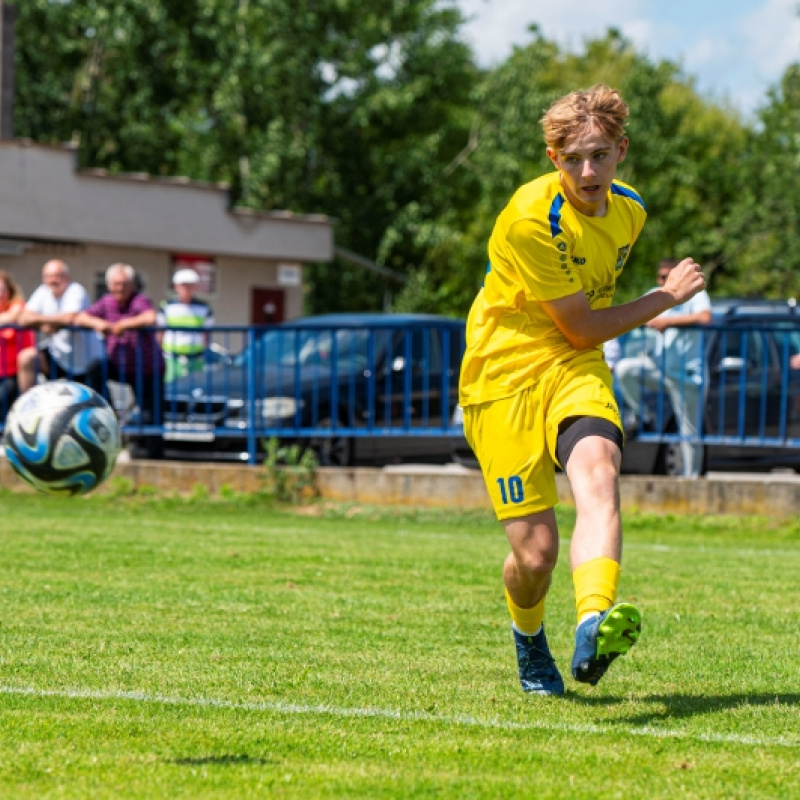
332 451
670 460
147 447
463 459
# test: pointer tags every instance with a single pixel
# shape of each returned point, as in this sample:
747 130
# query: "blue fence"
734 385
398 382
295 382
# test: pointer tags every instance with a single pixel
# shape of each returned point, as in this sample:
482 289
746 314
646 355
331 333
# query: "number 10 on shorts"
511 489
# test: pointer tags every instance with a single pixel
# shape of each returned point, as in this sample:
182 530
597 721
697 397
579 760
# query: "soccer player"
536 391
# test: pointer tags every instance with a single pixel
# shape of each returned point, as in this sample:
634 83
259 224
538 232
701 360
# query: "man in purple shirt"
133 354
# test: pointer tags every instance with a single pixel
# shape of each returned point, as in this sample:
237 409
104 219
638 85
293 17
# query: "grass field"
210 648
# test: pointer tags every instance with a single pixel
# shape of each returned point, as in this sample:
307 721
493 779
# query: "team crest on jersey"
622 255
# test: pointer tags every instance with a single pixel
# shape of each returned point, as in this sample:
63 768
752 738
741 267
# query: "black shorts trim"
573 429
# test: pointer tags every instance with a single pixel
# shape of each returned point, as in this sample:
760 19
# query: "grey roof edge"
288 216
40 145
146 177
173 181
367 263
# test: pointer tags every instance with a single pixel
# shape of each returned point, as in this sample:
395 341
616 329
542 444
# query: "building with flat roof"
251 263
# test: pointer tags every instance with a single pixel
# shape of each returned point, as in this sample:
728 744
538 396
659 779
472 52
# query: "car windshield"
347 347
787 329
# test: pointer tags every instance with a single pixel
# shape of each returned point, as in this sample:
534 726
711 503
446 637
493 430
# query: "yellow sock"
526 620
596 583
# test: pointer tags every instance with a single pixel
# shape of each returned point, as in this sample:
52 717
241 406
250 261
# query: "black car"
751 417
355 387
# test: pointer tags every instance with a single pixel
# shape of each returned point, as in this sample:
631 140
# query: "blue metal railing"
314 382
749 393
290 382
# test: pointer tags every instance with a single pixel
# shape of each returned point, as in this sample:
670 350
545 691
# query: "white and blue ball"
62 438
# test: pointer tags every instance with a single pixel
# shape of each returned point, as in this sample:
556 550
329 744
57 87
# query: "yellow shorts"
515 438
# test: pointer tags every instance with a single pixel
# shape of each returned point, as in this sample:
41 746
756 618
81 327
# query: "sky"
734 49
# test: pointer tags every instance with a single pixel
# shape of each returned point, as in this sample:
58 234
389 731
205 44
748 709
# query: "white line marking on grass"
714 550
717 552
458 720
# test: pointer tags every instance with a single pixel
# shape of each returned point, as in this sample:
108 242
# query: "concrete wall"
724 494
765 495
236 276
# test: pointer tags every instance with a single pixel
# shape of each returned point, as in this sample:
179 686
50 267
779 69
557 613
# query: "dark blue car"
751 414
355 387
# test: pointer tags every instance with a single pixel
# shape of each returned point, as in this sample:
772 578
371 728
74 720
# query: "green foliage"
374 113
290 472
198 493
345 107
684 158
119 487
763 227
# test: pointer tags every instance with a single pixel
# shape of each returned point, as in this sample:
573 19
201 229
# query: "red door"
267 306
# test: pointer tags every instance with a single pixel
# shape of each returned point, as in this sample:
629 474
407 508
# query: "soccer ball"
62 438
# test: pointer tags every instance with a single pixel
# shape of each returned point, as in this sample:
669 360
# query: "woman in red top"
12 341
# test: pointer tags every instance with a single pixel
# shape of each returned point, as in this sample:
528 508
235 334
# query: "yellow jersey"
541 248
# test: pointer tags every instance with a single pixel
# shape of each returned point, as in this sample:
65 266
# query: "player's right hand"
685 280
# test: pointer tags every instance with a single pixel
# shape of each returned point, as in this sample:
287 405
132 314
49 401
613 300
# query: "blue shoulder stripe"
488 270
554 215
624 192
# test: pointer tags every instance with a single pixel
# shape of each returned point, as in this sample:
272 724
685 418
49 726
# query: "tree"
372 111
684 160
762 230
341 107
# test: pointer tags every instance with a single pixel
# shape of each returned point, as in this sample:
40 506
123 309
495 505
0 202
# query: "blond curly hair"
572 114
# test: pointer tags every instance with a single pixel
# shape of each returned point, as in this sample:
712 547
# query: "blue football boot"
538 673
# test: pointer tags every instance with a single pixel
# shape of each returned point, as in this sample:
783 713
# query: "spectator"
184 350
12 340
678 364
61 353
133 355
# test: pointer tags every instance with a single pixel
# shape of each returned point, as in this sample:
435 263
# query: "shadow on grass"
681 706
227 759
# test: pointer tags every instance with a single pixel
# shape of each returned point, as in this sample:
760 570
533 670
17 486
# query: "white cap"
185 276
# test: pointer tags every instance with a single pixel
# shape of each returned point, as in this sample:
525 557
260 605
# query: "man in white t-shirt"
678 364
51 309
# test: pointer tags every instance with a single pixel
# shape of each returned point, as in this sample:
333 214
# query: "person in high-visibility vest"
184 349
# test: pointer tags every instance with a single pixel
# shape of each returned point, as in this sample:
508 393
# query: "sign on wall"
290 275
